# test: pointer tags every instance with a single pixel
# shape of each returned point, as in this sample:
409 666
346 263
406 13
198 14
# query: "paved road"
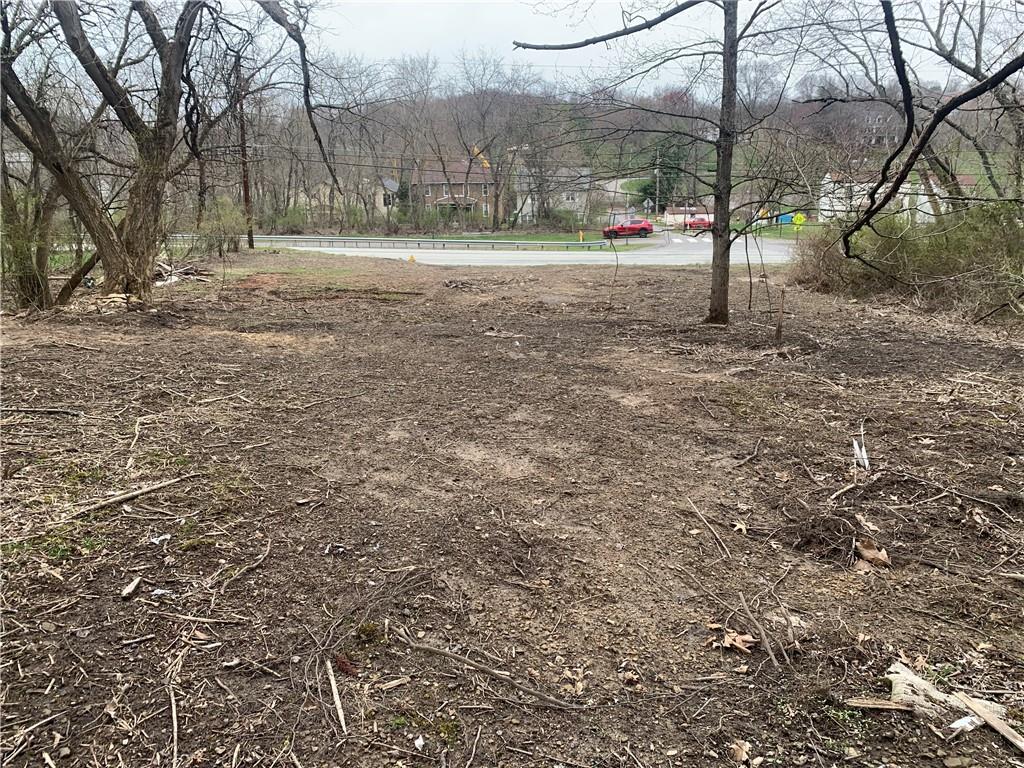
666 250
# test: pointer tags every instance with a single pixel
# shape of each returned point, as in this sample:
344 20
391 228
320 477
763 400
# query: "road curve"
671 250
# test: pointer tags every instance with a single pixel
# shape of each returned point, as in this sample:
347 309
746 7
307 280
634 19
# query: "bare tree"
725 122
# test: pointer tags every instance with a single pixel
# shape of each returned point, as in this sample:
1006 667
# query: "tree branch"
274 10
650 24
111 90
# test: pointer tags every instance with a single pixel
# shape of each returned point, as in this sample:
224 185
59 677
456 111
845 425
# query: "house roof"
456 173
963 179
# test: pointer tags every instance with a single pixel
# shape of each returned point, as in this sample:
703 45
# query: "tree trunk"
720 230
76 278
76 227
244 156
140 233
201 194
42 298
26 242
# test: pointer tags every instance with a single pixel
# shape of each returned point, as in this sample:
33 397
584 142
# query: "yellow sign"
799 219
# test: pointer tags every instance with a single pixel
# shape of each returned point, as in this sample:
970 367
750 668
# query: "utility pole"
246 193
657 182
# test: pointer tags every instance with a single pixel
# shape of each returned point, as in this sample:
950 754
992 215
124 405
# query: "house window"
426 192
570 197
486 210
444 190
463 189
483 191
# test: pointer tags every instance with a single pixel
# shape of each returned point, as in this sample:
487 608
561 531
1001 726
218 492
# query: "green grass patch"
58 546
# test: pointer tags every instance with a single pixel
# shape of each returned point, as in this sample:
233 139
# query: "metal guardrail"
314 241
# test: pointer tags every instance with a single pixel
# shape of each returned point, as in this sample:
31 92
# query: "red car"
700 223
639 227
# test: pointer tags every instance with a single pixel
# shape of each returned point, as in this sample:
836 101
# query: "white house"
844 195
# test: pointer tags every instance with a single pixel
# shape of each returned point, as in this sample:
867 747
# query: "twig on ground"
245 569
705 407
337 697
50 411
752 456
403 634
128 496
841 491
174 726
135 440
472 752
955 492
765 641
721 544
552 758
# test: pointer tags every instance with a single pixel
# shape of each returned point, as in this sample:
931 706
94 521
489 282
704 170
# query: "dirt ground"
384 469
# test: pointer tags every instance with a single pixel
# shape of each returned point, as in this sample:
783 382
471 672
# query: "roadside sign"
798 220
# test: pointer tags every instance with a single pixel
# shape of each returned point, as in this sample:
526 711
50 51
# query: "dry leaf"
868 549
744 642
739 751
866 524
739 525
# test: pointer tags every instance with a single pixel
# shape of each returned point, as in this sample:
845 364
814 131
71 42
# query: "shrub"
223 225
563 220
291 222
962 261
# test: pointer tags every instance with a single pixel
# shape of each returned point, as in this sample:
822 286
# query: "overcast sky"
385 29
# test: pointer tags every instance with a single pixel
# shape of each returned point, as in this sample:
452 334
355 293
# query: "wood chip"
132 586
394 683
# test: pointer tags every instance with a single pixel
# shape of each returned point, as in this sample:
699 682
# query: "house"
881 125
462 184
929 197
679 216
843 195
563 188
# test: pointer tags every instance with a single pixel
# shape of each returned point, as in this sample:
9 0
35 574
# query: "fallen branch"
132 494
403 634
721 544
